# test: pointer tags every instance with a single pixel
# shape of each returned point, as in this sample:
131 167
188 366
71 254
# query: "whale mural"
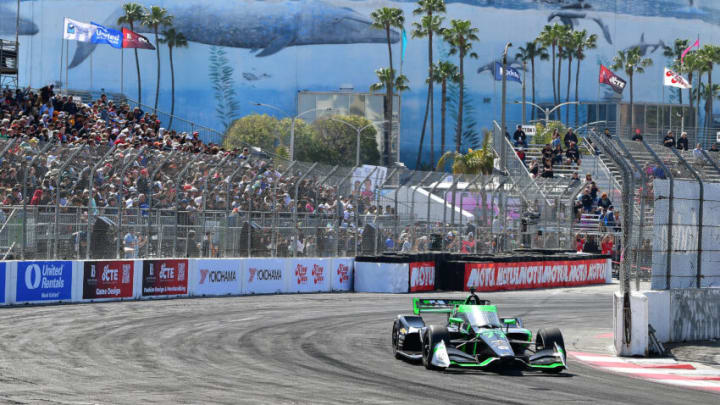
277 48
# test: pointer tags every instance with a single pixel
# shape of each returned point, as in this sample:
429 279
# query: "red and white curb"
664 371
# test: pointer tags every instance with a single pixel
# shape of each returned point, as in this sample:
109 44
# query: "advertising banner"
164 277
381 277
341 274
264 276
422 276
3 270
44 281
216 277
526 275
309 275
108 279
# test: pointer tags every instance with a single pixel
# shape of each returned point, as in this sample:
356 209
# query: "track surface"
320 348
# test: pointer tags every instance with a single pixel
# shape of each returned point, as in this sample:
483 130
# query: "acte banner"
108 279
164 277
134 40
611 79
528 275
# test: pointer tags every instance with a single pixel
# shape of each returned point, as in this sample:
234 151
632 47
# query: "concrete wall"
694 314
685 231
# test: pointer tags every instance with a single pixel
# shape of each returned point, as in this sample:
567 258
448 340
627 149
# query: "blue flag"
103 35
512 74
404 46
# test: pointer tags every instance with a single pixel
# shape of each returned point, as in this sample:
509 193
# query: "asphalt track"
317 348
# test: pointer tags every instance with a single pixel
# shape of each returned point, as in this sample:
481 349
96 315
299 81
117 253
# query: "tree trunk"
532 75
157 85
567 93
697 105
559 85
422 133
432 102
388 103
427 101
137 67
443 110
709 100
632 110
553 76
577 93
172 82
458 134
690 95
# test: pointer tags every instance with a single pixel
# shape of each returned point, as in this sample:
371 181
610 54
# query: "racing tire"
395 340
433 334
546 339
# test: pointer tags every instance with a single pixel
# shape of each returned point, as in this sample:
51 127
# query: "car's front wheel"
432 336
395 339
546 339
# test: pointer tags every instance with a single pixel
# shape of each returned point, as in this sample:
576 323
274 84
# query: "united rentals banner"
108 279
164 277
528 275
611 79
44 281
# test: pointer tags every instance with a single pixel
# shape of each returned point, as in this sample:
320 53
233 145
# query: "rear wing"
438 305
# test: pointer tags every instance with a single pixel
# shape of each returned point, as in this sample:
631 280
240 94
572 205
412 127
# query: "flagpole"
67 51
122 70
91 70
62 51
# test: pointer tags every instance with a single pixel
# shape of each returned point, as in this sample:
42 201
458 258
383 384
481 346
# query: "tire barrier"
524 269
45 282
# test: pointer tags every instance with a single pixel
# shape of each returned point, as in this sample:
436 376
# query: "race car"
474 337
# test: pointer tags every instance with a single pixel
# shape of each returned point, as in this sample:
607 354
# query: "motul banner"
528 275
108 279
422 276
309 275
165 277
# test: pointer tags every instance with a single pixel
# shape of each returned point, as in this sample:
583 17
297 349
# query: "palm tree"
711 55
133 12
675 53
173 39
692 63
460 36
551 36
584 42
709 91
474 162
570 44
428 25
442 73
631 61
154 18
529 52
386 18
387 78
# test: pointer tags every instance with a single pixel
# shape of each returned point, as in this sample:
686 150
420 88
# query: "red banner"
528 275
422 276
111 279
611 79
165 277
134 40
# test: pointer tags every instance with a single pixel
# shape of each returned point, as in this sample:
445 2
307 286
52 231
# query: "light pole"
504 100
547 111
292 125
358 130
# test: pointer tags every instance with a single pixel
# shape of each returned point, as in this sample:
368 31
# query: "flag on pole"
103 35
695 45
673 79
512 74
78 31
135 40
611 79
404 46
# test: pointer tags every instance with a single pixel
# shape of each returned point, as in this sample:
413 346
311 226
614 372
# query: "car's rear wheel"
395 339
546 339
433 335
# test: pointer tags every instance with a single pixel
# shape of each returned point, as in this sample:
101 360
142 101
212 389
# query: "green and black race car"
474 337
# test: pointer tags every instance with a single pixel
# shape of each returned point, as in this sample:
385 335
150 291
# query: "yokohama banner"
341 274
309 275
527 275
264 276
108 279
164 277
422 276
216 277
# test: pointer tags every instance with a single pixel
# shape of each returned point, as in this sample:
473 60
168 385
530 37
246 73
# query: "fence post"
150 201
294 208
338 203
25 196
177 203
377 202
453 186
430 194
668 256
57 198
249 219
204 200
276 212
357 211
227 208
121 204
698 274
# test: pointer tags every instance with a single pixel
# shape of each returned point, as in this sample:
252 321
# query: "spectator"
607 245
573 154
610 218
604 201
547 169
574 180
534 169
638 135
698 154
569 138
519 137
521 154
607 134
682 143
591 245
669 140
714 148
555 142
579 243
586 200
557 156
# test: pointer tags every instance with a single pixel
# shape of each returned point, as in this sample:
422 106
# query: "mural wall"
271 49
